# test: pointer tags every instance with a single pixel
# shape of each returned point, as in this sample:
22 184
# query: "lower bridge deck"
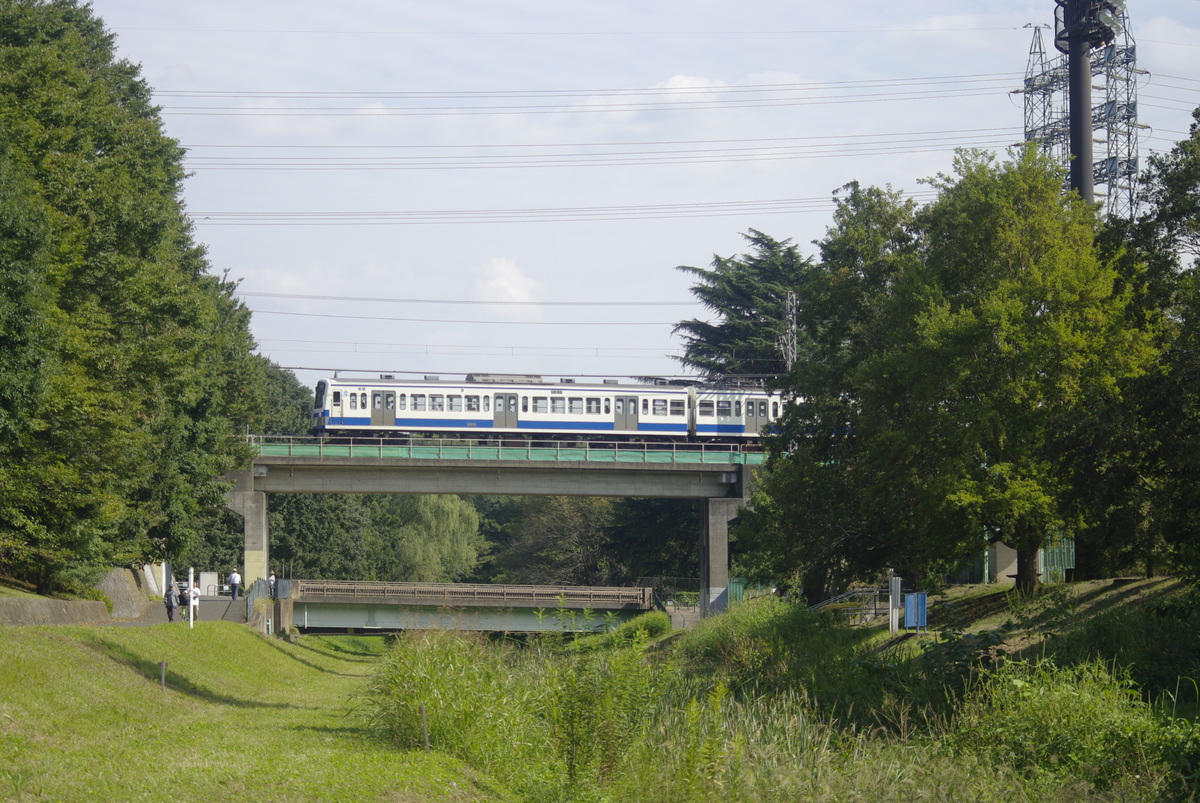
309 604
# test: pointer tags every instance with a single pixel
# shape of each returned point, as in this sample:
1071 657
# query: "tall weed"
1084 721
483 702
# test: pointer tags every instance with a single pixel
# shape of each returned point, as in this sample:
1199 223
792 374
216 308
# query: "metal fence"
501 448
474 595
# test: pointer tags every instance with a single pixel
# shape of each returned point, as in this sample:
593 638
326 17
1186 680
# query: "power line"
505 34
458 345
465 301
1005 78
611 158
531 215
440 320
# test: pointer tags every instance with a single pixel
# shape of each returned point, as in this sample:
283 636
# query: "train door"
625 410
383 408
505 416
756 416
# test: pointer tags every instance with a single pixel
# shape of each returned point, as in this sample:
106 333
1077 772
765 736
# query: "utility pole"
1079 27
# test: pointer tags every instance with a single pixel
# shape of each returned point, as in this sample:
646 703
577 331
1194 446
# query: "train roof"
525 380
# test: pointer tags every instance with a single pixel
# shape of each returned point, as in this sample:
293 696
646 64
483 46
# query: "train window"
558 405
353 401
645 407
524 404
724 408
454 403
487 403
389 401
608 406
319 401
705 408
575 406
337 398
660 406
512 404
472 404
774 409
362 400
418 401
401 401
541 404
377 401
620 407
677 407
762 409
437 401
593 406
737 409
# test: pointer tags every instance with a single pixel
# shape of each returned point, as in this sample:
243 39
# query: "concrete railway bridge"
720 477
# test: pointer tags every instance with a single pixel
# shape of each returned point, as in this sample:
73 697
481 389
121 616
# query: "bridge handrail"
450 593
300 445
849 596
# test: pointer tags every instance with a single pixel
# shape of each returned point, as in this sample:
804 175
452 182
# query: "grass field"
83 717
768 702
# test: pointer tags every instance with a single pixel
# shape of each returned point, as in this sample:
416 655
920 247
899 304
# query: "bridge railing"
462 594
860 603
501 448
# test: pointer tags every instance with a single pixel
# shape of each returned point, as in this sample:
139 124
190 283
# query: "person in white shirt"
235 582
194 601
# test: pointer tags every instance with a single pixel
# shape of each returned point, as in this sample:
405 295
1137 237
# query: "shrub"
1082 721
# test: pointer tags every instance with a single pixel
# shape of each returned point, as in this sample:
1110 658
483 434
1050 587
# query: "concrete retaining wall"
127 591
16 611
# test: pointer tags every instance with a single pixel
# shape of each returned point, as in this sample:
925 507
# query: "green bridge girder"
533 451
367 605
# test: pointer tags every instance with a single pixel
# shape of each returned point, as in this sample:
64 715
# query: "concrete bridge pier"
715 515
251 505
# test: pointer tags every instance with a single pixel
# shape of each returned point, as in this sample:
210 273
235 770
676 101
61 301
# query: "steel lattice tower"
1114 126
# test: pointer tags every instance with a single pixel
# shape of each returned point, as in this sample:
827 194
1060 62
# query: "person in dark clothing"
171 600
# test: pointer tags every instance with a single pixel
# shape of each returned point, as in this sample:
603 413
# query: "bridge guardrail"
553 451
459 594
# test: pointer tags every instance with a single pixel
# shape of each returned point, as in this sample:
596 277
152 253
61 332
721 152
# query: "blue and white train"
485 405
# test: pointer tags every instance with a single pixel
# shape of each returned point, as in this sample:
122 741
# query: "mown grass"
83 717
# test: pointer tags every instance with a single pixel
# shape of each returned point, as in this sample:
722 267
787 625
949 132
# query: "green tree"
558 540
146 380
819 513
424 539
749 296
1166 408
954 349
1015 326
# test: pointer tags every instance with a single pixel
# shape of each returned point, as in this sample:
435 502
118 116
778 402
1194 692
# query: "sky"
493 186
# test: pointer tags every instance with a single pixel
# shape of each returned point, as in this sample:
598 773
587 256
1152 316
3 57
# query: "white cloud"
500 280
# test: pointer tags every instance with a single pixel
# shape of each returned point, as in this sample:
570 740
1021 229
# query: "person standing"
235 582
194 602
271 585
171 600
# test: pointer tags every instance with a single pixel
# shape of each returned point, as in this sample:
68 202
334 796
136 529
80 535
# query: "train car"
484 405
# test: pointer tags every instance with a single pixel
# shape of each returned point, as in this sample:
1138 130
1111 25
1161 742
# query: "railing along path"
473 595
508 449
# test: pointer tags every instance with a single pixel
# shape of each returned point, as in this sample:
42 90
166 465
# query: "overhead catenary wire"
497 322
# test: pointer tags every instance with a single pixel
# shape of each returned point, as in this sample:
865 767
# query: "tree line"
1000 364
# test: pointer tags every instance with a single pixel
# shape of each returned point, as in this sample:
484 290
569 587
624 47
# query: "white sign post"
895 600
